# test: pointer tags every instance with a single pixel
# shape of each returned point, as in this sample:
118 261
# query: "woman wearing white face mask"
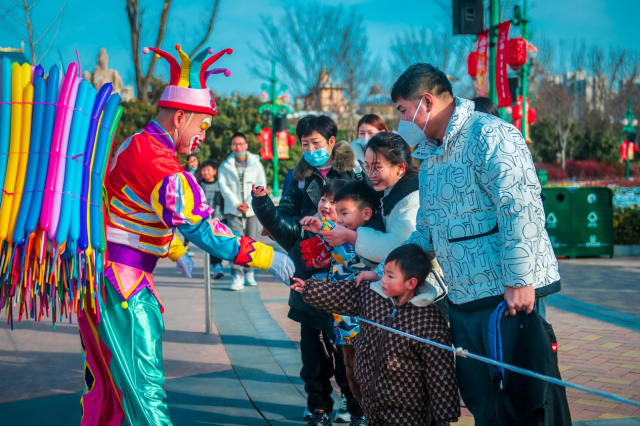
368 126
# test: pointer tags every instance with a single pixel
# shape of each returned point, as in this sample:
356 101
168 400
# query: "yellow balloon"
17 91
23 156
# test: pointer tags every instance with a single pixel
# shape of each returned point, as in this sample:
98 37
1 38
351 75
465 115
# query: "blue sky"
87 27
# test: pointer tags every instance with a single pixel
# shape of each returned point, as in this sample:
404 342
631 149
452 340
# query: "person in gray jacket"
480 212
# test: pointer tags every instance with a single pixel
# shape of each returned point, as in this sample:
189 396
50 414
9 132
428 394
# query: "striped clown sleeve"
179 200
219 240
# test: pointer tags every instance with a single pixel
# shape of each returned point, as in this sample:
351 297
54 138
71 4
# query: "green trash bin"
592 224
557 209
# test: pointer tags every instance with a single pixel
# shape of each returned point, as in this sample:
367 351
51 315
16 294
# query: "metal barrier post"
207 293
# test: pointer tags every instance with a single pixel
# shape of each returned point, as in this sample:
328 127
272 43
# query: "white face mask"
410 131
363 141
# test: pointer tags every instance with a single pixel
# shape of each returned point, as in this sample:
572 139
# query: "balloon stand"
56 137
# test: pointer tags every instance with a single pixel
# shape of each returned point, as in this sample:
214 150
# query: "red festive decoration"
472 64
531 115
516 111
628 149
266 152
517 56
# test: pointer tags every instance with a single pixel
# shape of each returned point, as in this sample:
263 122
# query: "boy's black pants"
320 362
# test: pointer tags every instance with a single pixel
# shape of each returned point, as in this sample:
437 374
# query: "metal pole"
274 135
207 294
494 14
525 75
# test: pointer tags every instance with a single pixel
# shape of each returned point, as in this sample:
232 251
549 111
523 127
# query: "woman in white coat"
237 174
389 165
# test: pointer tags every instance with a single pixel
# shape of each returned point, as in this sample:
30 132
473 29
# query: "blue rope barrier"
466 354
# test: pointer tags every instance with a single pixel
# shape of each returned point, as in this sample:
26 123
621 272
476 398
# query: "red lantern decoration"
516 112
531 115
472 64
517 56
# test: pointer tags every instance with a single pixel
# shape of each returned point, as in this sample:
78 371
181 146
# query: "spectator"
238 173
481 211
368 126
486 105
211 189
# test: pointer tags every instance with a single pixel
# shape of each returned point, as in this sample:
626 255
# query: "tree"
311 38
29 33
440 48
558 106
135 15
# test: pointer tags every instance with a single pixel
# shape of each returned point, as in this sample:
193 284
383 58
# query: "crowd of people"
431 250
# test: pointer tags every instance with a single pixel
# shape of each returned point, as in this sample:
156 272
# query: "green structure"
494 20
628 123
272 108
521 18
557 209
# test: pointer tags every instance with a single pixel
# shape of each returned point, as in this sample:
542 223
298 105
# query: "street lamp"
629 123
274 110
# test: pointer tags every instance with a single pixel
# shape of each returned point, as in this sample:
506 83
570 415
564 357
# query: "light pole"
520 17
274 109
629 123
494 20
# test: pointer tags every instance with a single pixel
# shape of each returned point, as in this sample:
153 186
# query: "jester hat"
187 89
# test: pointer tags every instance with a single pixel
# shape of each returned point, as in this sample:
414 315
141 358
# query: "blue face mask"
239 155
318 157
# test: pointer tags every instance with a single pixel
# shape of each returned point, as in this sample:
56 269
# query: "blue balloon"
102 149
5 117
72 165
37 118
51 98
98 107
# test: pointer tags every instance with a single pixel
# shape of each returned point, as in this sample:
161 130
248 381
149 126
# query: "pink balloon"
55 157
59 181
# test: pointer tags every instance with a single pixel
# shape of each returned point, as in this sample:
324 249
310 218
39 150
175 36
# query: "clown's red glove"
314 248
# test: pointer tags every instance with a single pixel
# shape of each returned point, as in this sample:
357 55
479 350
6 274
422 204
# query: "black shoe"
357 421
319 418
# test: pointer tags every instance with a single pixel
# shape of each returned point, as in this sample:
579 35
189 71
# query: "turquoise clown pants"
124 375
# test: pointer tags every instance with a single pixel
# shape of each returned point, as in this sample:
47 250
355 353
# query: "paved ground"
246 373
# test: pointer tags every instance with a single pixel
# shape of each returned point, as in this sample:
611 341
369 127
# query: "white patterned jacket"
481 211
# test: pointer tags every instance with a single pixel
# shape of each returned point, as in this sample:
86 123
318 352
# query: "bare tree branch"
55 18
42 56
206 36
12 15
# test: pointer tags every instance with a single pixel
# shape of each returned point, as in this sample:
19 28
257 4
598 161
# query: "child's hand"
311 223
367 276
319 263
339 235
298 285
259 191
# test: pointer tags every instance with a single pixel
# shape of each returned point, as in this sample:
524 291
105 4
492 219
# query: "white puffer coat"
230 185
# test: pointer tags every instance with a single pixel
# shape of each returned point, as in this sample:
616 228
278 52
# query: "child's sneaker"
358 421
238 283
319 418
342 415
216 272
250 278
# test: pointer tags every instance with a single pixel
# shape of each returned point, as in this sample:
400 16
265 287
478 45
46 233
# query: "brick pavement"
591 352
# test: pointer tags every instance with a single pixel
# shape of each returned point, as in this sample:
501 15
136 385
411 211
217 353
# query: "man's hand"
311 223
282 266
259 191
242 208
339 236
520 299
367 276
298 285
185 265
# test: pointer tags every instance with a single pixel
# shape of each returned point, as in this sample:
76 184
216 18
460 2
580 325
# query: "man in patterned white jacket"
481 212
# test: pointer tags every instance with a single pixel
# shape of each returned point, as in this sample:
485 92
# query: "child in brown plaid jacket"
404 382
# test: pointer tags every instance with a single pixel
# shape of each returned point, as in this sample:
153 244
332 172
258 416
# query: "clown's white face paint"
196 139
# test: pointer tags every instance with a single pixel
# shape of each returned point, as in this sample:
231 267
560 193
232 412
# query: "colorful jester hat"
187 89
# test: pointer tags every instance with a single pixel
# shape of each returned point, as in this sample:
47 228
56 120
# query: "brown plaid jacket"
404 382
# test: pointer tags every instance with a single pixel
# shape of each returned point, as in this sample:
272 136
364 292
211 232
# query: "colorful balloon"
55 156
96 114
78 163
72 166
18 82
103 143
62 163
39 92
51 98
5 117
23 154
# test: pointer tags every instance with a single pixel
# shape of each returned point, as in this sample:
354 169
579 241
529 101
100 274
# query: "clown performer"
150 196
